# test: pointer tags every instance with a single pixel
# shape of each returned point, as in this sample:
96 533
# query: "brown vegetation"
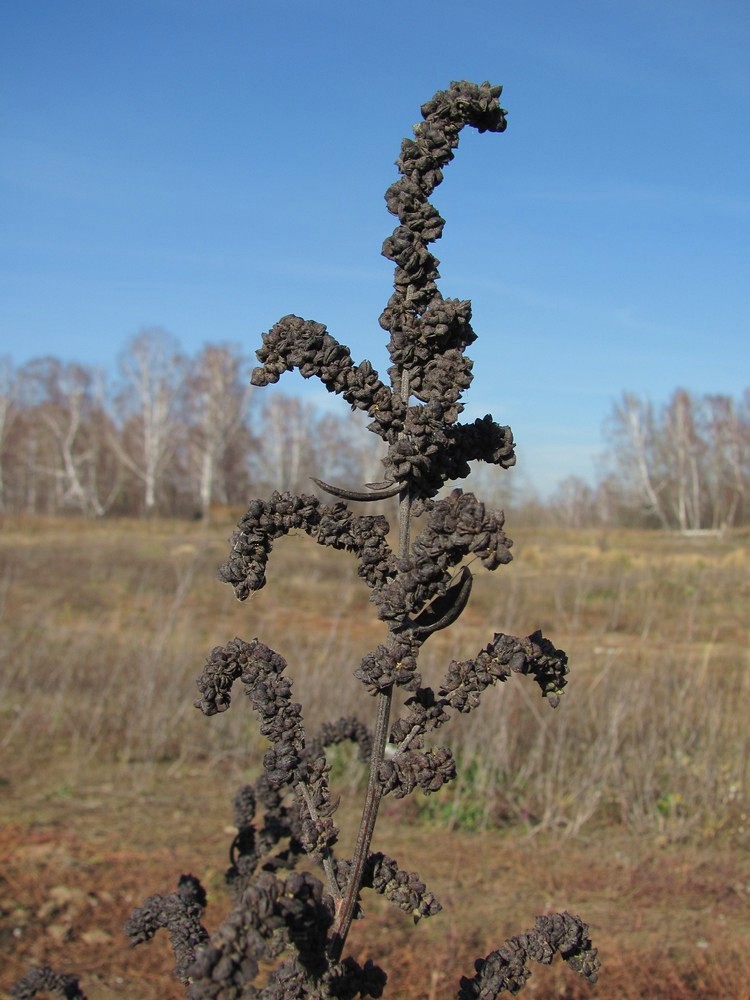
111 780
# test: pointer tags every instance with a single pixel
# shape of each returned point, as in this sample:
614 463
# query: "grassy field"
628 804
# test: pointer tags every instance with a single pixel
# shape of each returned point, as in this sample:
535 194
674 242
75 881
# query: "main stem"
348 905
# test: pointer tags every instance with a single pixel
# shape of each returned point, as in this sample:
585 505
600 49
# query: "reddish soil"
670 920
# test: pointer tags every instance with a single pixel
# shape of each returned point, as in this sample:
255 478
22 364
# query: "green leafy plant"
288 922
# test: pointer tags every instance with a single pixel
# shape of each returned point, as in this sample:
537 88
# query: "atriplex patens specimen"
295 921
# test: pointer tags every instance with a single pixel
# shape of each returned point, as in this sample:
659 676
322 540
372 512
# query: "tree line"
684 466
174 435
170 434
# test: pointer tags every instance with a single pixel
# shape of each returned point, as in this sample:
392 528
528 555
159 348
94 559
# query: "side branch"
307 346
505 970
335 526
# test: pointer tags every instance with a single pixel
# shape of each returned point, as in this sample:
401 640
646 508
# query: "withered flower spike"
179 913
383 492
505 970
419 589
403 888
44 979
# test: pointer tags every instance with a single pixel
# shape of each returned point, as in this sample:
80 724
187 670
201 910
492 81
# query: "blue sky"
208 166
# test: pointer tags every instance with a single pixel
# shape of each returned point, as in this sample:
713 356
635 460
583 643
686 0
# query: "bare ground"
671 920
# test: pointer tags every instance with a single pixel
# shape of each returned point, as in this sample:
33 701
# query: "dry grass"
104 627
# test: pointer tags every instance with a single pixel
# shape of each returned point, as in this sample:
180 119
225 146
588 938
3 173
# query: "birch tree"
217 392
688 467
681 455
728 431
62 435
8 413
286 443
631 430
152 368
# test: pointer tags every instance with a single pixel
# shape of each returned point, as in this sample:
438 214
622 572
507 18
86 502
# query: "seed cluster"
271 914
507 968
428 334
428 770
287 761
457 526
466 680
44 979
405 889
335 526
180 913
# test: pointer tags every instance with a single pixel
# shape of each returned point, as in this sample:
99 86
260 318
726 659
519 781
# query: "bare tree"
574 503
690 467
728 432
346 452
287 443
681 454
8 413
632 433
152 368
63 436
217 394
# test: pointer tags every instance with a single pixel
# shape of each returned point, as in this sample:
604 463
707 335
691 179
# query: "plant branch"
327 859
347 908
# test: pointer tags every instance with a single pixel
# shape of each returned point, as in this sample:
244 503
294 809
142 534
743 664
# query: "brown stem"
348 905
327 858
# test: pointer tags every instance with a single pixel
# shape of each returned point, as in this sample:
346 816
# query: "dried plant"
291 921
